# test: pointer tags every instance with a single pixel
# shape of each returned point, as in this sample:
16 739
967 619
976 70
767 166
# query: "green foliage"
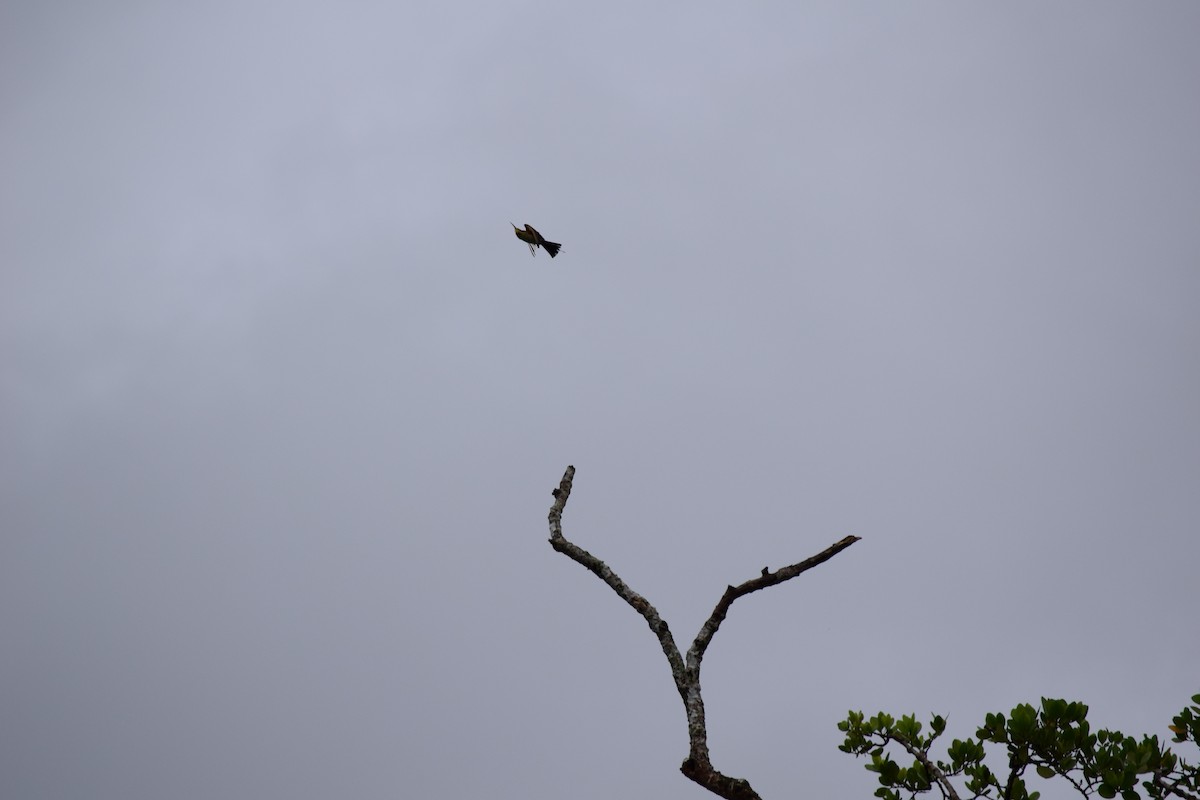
1054 739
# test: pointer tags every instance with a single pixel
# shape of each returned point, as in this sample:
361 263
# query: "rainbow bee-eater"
534 239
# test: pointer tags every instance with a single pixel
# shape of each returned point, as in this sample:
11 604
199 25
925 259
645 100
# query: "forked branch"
697 766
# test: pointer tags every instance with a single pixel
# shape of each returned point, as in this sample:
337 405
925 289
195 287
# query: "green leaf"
1045 771
908 727
1054 709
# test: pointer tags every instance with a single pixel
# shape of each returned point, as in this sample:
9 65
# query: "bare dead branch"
602 571
696 652
697 766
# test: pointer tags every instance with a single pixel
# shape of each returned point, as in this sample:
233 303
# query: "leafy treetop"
1055 740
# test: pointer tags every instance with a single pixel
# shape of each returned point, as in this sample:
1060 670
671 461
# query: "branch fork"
686 671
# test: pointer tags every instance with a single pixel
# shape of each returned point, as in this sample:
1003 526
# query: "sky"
282 398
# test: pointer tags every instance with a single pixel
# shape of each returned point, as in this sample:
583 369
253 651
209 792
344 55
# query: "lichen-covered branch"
602 571
1172 787
766 579
697 766
943 782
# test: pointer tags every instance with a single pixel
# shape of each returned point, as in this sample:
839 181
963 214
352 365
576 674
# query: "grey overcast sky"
283 398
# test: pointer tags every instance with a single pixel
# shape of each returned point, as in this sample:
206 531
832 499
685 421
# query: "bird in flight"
532 238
